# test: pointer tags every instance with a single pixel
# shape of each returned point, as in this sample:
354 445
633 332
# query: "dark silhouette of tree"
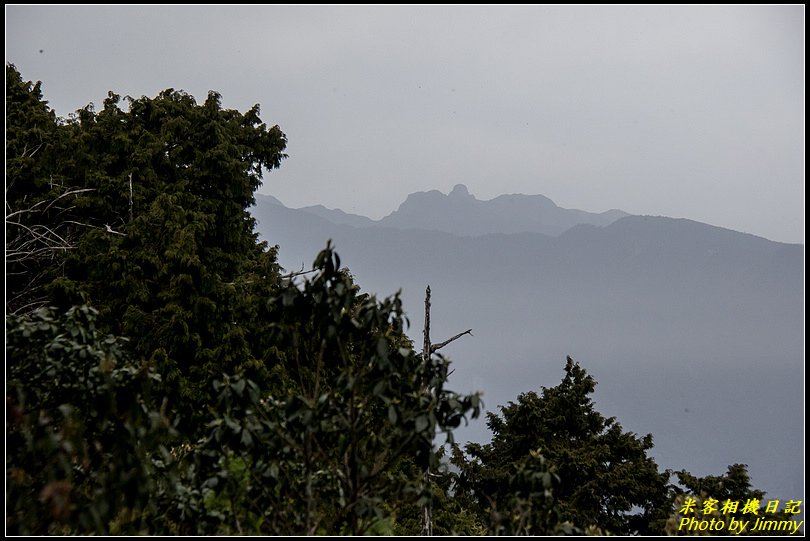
294 407
164 376
332 453
157 233
82 428
592 473
41 225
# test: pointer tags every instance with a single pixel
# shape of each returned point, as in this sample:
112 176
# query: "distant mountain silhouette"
339 217
460 213
695 333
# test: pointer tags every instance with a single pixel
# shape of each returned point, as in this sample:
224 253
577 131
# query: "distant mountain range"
695 333
460 213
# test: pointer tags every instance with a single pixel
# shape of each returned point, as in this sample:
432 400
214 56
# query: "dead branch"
436 347
111 230
130 197
298 273
37 233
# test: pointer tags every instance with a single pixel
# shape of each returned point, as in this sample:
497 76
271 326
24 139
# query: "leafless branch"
298 273
111 230
33 151
48 204
29 307
440 345
35 234
67 193
130 197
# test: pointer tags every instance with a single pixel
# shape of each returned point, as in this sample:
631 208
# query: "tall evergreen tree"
40 227
297 407
606 479
160 238
175 179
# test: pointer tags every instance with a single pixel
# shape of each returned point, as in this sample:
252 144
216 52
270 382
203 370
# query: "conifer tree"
158 233
598 475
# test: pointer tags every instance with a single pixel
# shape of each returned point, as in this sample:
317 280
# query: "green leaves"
147 216
359 401
80 428
558 444
301 406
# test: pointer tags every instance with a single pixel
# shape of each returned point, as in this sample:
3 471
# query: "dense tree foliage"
584 468
158 236
332 453
278 391
81 430
725 497
39 228
165 377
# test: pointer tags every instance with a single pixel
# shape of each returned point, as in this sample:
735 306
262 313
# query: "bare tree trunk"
427 508
427 350
130 197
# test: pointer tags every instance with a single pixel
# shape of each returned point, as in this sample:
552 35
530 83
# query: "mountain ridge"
460 213
672 316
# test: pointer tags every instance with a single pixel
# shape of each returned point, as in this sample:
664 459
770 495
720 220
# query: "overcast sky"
694 112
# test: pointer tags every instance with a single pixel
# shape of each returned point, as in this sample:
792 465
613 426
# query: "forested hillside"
164 375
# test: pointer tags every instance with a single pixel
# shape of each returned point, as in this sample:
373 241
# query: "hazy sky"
693 111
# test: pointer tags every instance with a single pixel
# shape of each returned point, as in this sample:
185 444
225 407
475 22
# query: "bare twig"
130 197
67 193
111 230
35 234
298 273
33 151
440 345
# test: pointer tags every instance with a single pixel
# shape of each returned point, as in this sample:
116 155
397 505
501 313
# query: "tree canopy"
287 405
165 376
152 204
599 475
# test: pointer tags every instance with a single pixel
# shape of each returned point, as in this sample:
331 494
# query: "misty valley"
693 332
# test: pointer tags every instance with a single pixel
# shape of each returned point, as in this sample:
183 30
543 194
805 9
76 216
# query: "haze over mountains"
695 333
460 213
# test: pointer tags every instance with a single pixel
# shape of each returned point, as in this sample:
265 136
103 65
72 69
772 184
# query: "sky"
684 111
